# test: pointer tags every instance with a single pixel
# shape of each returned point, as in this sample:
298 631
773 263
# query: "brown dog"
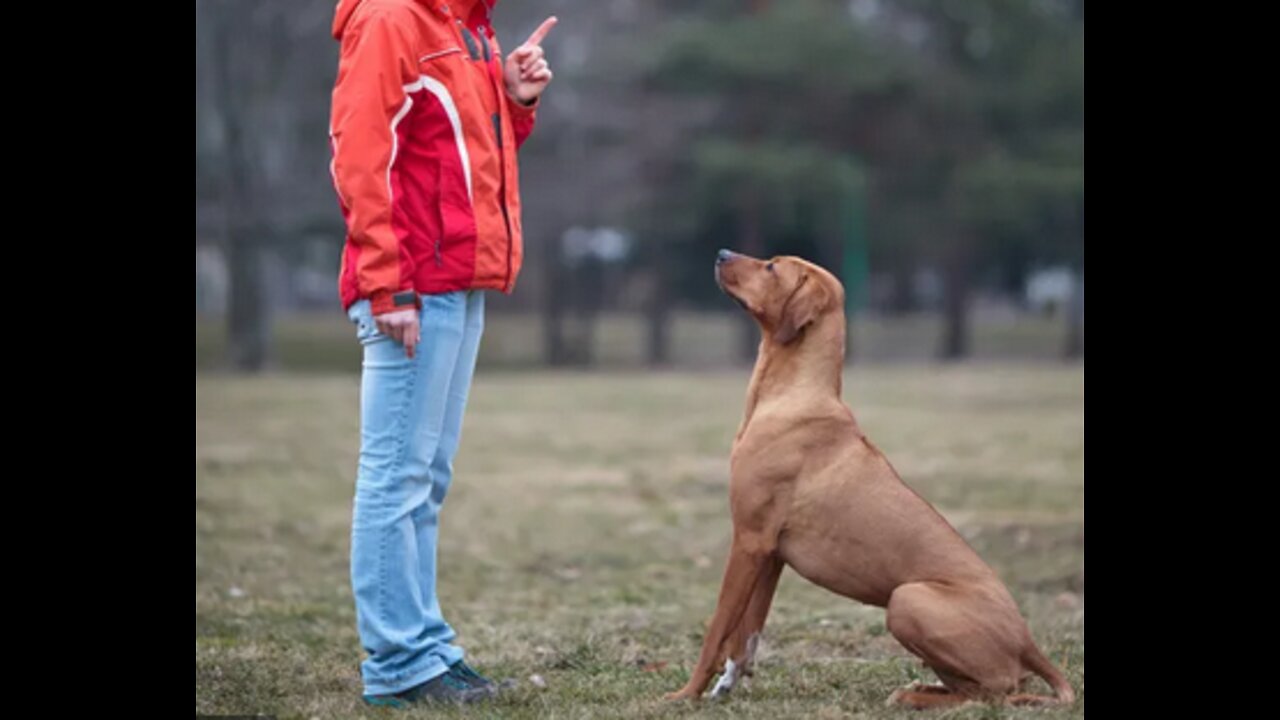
807 489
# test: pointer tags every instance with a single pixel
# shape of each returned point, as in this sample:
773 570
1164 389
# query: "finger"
521 53
382 327
534 67
397 333
542 31
411 341
542 77
534 55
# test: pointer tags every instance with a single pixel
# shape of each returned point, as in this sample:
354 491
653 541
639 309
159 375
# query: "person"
426 120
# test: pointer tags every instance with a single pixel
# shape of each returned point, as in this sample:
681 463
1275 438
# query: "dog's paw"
894 697
727 680
682 694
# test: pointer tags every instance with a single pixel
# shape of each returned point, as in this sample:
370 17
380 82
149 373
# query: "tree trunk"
753 245
955 333
248 326
658 351
1074 347
903 300
553 302
589 286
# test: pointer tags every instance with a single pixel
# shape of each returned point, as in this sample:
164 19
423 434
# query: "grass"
584 538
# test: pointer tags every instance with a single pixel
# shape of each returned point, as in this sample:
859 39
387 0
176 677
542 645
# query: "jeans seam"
401 450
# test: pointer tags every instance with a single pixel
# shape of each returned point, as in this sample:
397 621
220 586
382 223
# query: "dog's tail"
1040 665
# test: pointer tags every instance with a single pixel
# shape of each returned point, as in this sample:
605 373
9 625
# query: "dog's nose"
724 256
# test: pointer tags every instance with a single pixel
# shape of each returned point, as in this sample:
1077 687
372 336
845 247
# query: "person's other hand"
401 325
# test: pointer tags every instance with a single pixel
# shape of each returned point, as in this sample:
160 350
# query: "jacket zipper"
501 93
496 82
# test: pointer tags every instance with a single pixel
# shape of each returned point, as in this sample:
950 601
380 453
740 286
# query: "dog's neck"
812 364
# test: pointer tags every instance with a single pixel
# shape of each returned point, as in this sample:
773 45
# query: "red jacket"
424 140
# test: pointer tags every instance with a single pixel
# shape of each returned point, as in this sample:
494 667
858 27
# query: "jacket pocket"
457 218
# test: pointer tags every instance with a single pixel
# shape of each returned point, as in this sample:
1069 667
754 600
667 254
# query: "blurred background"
930 152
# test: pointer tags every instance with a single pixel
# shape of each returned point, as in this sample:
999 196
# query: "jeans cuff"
434 668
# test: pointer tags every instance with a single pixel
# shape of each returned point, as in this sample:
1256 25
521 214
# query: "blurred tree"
774 160
695 126
1018 172
263 76
968 115
248 329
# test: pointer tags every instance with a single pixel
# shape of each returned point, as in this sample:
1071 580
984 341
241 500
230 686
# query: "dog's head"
784 294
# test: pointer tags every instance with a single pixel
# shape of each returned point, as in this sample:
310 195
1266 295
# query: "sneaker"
465 673
445 688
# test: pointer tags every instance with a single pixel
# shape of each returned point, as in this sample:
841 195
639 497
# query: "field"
585 534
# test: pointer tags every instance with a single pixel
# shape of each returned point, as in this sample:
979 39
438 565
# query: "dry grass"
584 538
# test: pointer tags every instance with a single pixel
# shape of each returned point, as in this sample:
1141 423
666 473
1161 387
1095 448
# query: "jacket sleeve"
368 102
523 118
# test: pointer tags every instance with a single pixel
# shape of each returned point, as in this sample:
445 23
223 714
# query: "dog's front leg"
739 650
747 561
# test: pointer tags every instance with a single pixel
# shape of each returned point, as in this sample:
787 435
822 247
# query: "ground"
585 535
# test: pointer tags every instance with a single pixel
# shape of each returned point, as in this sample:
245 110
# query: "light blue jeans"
410 423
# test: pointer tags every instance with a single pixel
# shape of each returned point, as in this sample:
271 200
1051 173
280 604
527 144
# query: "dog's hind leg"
971 642
1028 700
931 696
952 691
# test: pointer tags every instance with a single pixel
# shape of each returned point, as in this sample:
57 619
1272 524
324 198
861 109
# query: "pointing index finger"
541 32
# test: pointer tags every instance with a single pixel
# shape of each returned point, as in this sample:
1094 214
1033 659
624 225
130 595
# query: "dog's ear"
802 308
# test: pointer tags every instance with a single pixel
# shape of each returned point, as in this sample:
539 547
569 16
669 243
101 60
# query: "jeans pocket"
361 314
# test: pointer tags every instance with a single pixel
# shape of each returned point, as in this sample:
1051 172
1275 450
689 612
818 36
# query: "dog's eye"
769 267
